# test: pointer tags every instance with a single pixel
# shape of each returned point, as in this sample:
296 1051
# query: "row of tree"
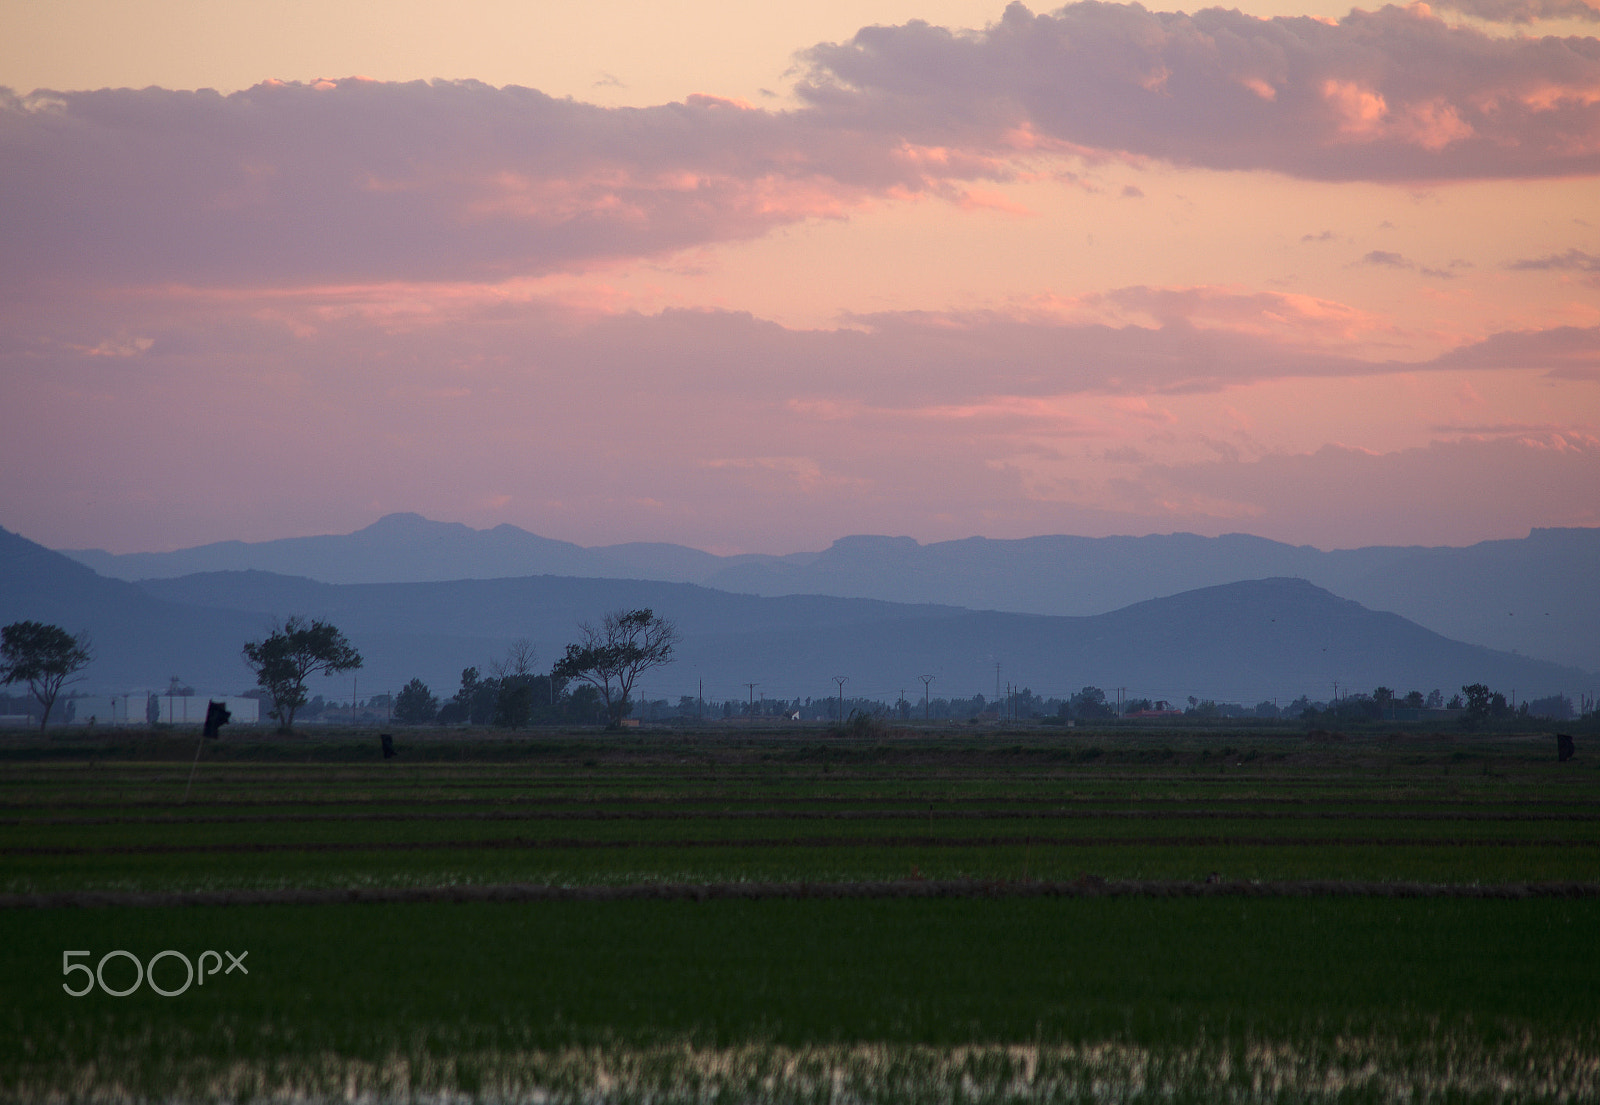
605 662
508 699
593 681
1477 704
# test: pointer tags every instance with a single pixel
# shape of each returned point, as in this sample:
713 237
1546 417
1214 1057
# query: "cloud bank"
1390 95
156 417
209 303
357 180
354 179
1524 11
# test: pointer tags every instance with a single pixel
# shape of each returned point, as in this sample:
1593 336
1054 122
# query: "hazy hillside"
1243 641
140 641
1247 641
408 548
396 547
1538 595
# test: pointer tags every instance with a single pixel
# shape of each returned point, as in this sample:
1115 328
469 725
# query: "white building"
191 709
131 709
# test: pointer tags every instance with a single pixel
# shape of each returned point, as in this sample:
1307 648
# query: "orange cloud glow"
1102 269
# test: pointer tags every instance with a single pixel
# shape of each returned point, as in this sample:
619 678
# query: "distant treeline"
515 700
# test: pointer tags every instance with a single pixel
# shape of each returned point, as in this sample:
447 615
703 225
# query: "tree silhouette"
612 656
291 655
44 657
1478 695
415 704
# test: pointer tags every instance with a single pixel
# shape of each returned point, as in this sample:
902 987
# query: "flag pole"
193 766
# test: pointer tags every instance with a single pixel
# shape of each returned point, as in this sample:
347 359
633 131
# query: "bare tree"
514 685
519 660
611 657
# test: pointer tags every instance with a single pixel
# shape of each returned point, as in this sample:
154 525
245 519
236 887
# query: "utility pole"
841 680
926 681
752 687
702 699
997 685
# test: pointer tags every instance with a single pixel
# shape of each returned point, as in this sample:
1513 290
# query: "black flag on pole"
217 716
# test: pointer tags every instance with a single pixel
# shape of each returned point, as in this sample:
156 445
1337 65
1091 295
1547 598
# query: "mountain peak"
402 523
874 543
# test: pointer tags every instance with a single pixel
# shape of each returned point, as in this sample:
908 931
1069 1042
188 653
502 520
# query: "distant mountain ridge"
1538 595
1242 641
139 640
408 548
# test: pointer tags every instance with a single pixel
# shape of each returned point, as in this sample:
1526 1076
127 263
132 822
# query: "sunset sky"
751 279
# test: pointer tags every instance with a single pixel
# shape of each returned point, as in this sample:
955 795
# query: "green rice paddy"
994 997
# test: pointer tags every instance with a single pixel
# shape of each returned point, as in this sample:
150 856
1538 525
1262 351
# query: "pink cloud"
1291 318
1135 341
1565 352
688 424
1573 260
1523 11
356 179
1389 259
1389 95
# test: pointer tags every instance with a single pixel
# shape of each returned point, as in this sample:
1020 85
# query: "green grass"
551 974
581 867
1347 999
703 808
500 982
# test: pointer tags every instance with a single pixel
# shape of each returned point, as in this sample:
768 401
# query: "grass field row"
1179 815
592 866
754 832
235 786
648 821
891 1000
623 975
863 839
1344 1068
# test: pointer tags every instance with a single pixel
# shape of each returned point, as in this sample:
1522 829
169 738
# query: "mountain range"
1242 641
1538 595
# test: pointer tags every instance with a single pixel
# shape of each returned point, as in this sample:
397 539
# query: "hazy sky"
750 279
